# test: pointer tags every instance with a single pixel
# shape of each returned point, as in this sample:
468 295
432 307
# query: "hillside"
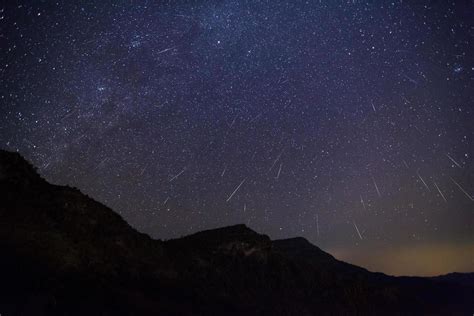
64 253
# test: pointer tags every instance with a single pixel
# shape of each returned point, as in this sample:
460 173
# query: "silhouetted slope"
466 279
64 253
56 242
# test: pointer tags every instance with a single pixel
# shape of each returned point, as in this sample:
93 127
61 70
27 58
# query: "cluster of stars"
349 123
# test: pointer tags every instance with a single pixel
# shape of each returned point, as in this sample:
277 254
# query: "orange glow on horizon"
416 260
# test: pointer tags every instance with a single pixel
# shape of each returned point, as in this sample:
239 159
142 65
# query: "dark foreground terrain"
62 253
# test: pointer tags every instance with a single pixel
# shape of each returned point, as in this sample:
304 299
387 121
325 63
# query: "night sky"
350 123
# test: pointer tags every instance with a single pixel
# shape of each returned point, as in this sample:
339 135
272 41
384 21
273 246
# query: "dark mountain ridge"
64 253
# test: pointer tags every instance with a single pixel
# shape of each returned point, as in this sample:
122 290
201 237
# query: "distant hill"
466 279
64 253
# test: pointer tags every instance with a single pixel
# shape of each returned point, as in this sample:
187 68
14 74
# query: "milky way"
350 123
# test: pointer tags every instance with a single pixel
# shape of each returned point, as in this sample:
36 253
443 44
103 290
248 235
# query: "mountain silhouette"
62 253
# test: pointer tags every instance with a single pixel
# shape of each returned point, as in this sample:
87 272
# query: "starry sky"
350 123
